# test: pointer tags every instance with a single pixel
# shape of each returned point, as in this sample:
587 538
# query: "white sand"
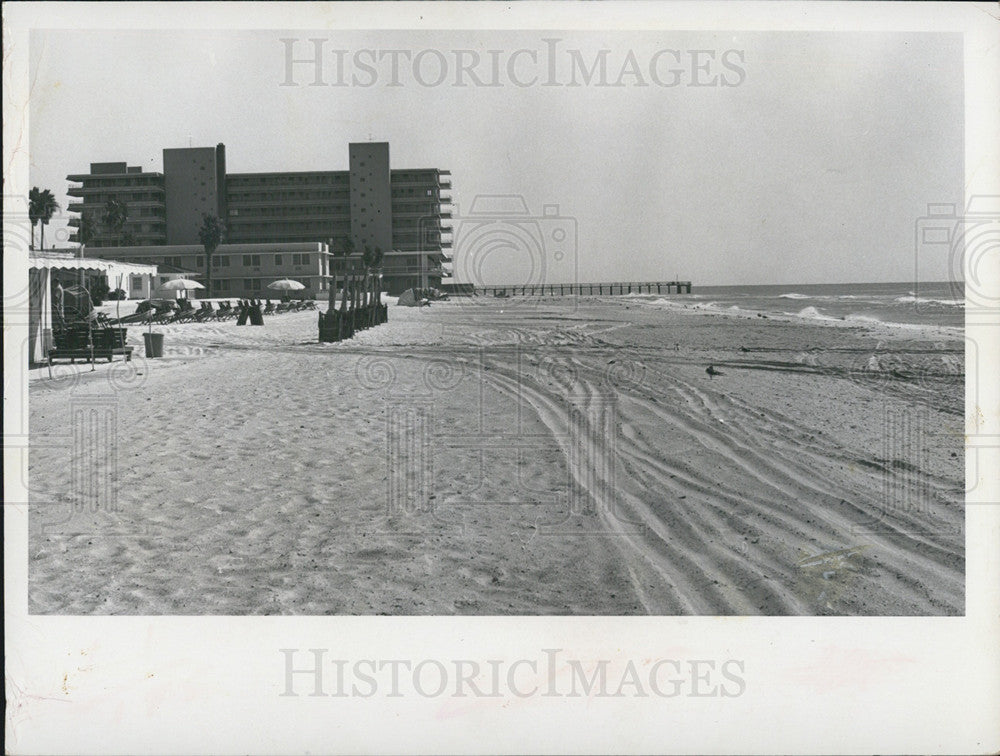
574 461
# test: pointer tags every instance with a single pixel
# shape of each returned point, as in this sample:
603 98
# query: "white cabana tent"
136 279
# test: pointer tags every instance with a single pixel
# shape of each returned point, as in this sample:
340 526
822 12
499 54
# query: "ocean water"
929 304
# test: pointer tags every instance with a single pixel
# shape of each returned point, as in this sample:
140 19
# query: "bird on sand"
712 371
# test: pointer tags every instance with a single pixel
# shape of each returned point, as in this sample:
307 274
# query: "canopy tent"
413 298
110 267
40 267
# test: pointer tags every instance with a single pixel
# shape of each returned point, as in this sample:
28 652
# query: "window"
221 284
251 261
251 284
277 260
200 263
220 261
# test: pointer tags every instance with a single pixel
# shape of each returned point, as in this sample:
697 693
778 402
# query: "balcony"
114 189
412 270
408 199
237 218
284 202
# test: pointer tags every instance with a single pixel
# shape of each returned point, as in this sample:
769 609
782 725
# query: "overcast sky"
800 158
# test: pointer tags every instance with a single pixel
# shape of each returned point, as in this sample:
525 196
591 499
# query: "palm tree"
115 217
211 235
88 228
42 206
34 203
49 208
343 250
372 258
348 250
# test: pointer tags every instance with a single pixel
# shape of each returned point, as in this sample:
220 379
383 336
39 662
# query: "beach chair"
82 342
135 317
269 308
186 312
162 312
206 312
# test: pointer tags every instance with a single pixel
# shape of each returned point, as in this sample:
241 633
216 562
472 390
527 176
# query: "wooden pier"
579 289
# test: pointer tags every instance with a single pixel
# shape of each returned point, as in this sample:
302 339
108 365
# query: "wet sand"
539 456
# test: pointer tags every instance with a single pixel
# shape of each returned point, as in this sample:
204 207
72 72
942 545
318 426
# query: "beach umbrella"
180 284
286 284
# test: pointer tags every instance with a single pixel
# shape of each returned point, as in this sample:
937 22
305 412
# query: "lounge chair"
205 312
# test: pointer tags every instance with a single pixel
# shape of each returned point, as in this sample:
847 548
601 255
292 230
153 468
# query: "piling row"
593 289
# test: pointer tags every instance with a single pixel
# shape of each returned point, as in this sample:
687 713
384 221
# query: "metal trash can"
154 344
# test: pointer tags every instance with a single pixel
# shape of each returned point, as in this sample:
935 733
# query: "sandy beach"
507 456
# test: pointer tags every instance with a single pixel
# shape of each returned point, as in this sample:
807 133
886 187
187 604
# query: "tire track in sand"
688 547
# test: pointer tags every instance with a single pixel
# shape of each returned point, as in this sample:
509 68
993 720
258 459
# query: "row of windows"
414 175
221 285
409 190
326 177
287 179
248 196
302 226
286 211
102 183
253 261
319 194
100 199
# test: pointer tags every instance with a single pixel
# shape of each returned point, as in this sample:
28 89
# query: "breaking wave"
913 299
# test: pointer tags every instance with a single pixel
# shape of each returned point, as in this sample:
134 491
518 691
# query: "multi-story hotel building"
402 212
144 194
